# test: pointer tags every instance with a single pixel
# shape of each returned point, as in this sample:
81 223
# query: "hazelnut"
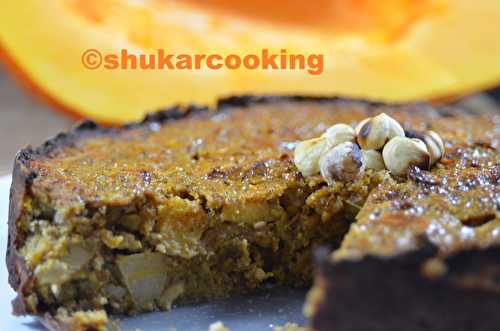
339 133
307 154
374 132
373 159
401 152
435 145
432 140
343 162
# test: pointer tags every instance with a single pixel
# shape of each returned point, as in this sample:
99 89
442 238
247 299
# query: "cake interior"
130 259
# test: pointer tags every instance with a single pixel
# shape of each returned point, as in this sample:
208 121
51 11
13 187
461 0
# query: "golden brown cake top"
243 154
236 153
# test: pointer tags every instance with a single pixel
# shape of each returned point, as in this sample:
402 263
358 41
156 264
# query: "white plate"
259 311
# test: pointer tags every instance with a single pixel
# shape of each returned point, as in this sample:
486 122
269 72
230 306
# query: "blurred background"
23 120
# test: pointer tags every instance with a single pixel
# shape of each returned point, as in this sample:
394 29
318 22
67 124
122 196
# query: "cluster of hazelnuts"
343 153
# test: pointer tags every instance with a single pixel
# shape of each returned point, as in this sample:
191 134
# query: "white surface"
260 311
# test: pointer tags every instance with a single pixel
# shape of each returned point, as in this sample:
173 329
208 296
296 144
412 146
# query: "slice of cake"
193 204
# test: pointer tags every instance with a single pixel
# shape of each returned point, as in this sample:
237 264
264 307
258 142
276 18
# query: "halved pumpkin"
395 50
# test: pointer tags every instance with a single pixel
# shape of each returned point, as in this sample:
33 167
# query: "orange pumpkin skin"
396 50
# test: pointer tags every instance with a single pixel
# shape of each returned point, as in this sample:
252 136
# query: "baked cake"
193 204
